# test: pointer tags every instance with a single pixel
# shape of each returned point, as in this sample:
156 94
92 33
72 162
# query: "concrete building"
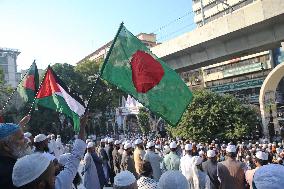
241 77
148 39
207 10
232 50
8 63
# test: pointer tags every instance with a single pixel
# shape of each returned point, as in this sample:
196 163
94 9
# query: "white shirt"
64 179
186 166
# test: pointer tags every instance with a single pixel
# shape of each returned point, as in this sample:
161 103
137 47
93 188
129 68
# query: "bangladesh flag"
133 68
29 84
55 95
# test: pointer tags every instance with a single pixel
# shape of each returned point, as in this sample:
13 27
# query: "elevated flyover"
256 27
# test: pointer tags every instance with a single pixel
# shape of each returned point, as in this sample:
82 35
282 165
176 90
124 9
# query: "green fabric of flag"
29 84
133 68
55 95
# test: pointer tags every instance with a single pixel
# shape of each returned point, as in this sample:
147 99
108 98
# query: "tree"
212 115
143 119
81 78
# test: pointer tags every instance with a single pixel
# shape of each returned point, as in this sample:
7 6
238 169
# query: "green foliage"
82 78
143 119
211 115
5 90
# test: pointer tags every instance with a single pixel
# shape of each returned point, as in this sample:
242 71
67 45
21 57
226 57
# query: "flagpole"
10 97
31 108
103 66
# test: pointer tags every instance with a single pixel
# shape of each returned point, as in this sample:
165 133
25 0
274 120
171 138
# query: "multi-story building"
241 77
208 10
148 39
8 63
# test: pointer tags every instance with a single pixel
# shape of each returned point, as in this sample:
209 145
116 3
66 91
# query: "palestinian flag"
54 94
28 86
133 68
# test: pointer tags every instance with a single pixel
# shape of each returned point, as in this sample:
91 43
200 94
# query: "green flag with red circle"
28 87
133 68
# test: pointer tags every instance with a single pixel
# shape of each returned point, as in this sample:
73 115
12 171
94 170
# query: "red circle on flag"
146 71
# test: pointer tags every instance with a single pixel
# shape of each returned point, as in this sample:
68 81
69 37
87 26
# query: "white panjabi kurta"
64 179
186 168
155 161
90 177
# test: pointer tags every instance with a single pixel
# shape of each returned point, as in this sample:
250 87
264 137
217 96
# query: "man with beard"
99 165
111 170
90 174
36 171
127 162
103 155
41 143
138 155
116 155
13 145
154 160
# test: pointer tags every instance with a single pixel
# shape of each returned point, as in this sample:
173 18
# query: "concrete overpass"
256 27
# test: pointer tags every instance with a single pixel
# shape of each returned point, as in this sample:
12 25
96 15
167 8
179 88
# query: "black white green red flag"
133 68
54 94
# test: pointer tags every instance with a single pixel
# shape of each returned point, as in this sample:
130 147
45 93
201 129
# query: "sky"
65 31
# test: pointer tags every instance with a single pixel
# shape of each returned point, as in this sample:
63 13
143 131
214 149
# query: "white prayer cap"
211 153
173 179
166 147
103 140
157 146
29 168
150 144
88 140
257 143
231 148
261 155
173 144
76 136
201 153
90 145
269 176
127 145
124 178
196 160
58 136
188 147
110 140
40 138
279 144
117 142
27 134
63 159
138 141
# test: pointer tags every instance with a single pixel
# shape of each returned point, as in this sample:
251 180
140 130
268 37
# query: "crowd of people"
137 161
